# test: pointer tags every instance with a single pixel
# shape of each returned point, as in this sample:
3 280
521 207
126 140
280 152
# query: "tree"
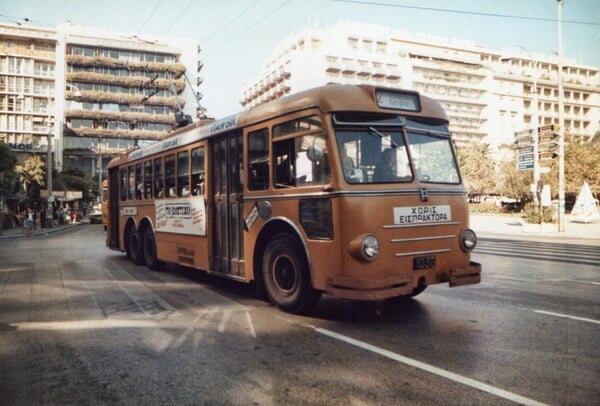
582 164
8 176
477 168
8 159
74 179
514 183
32 170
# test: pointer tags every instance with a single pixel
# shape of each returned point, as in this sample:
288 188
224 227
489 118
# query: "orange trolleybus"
350 191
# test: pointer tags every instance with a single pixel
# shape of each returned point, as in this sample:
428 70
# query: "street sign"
544 169
525 141
547 156
526 157
525 165
526 150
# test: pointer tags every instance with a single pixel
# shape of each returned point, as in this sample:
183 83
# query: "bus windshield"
382 154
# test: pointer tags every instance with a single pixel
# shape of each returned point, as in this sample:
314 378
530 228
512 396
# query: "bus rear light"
364 247
468 240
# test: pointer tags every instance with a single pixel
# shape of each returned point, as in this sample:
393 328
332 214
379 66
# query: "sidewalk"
18 232
512 226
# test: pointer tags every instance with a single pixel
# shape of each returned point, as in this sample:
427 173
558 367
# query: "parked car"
95 215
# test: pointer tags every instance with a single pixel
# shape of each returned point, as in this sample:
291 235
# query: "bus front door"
227 235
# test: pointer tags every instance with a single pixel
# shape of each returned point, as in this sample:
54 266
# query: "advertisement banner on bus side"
181 216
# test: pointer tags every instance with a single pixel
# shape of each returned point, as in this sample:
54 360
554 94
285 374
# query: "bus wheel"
134 247
150 258
286 277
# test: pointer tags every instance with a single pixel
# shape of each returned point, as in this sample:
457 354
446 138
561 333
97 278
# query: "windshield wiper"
392 143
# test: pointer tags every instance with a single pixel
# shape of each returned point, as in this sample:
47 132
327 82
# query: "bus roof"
328 98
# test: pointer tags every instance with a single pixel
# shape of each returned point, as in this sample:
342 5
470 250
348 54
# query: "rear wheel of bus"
286 276
150 257
134 246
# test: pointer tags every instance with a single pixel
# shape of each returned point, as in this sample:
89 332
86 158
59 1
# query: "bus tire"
150 257
286 277
135 250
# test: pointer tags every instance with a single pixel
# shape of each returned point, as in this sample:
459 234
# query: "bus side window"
170 176
158 179
131 183
258 160
183 174
284 159
198 171
148 180
139 185
123 183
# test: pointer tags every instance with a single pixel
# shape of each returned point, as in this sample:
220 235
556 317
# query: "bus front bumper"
378 289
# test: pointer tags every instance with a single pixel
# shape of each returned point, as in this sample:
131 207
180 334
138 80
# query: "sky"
238 36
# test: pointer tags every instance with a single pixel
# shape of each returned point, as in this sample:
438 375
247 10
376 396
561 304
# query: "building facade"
488 95
92 93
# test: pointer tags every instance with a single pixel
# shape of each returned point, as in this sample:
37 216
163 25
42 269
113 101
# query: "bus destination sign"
398 101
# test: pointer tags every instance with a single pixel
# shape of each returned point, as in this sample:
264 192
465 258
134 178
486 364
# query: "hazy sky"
237 36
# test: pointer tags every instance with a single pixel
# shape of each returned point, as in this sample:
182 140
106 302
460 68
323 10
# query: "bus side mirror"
314 153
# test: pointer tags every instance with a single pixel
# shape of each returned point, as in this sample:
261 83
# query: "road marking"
566 316
576 281
430 368
82 324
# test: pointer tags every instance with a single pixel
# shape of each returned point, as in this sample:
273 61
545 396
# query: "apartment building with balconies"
487 94
96 92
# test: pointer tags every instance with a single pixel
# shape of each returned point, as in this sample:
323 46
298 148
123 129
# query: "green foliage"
539 215
75 180
582 164
477 168
512 182
8 159
485 208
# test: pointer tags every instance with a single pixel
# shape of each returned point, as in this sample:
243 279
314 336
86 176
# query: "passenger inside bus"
386 170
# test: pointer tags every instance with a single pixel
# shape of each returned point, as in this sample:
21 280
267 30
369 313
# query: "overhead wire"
150 15
477 13
228 23
285 3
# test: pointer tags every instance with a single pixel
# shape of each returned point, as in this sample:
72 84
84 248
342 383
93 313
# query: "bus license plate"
423 262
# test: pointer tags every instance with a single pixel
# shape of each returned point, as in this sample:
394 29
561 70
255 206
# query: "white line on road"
431 369
566 316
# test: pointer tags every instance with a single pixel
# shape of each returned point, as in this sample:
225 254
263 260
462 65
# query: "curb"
43 232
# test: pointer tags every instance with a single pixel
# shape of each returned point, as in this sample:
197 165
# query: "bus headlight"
365 247
468 240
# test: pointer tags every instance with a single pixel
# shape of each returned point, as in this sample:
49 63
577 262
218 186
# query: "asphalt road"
79 324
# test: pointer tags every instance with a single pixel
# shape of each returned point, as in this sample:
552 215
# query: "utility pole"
49 209
561 129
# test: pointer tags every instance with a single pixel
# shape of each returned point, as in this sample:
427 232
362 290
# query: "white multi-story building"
488 95
96 92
